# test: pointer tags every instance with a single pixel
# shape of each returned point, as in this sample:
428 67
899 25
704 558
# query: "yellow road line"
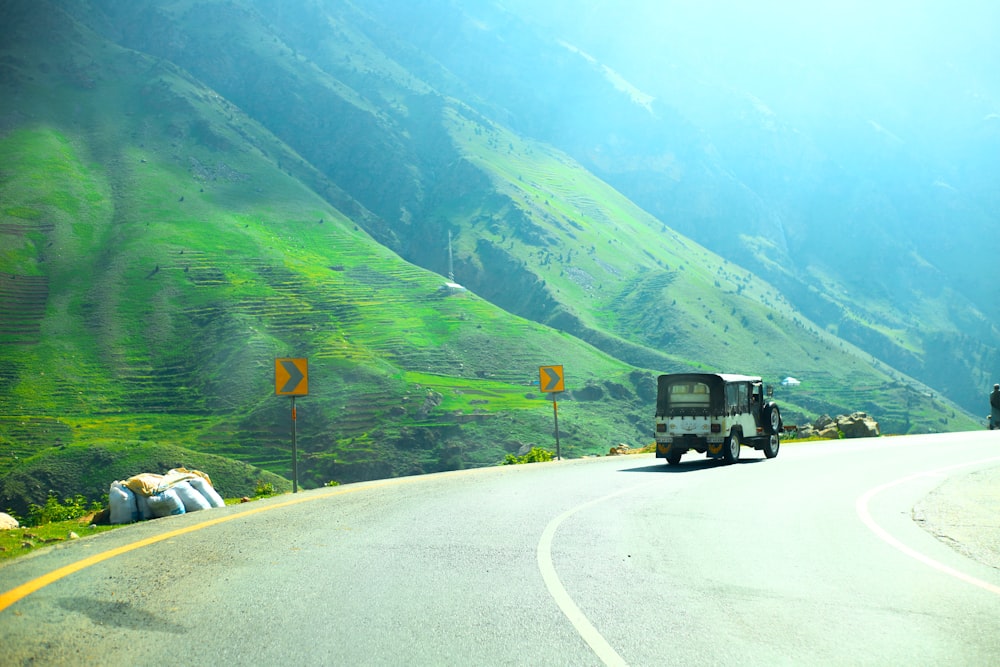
20 592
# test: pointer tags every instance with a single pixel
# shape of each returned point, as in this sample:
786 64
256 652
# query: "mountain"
841 151
193 189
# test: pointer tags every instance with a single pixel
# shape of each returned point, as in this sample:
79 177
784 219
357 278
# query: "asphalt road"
833 553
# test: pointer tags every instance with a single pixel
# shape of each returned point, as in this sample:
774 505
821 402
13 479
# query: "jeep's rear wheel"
771 447
731 448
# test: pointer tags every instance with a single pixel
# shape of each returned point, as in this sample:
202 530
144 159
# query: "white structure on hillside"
451 285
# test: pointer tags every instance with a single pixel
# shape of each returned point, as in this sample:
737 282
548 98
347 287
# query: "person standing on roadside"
995 407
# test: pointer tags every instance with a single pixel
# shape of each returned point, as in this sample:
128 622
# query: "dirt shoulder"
964 512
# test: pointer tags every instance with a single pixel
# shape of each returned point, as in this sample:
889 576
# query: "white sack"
205 488
165 503
142 503
191 497
122 501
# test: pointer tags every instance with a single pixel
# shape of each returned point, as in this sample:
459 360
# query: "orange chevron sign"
550 378
291 377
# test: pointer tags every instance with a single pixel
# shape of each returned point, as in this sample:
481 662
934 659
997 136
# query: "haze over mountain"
844 151
194 188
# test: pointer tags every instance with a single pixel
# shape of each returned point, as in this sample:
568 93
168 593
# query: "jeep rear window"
689 393
688 398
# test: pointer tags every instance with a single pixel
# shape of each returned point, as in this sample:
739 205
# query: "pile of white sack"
150 496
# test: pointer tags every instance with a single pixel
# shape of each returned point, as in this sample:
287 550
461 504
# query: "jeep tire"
771 446
772 419
731 448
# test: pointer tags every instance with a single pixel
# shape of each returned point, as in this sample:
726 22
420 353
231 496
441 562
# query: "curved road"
810 558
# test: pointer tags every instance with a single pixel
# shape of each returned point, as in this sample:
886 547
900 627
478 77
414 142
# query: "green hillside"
616 277
159 248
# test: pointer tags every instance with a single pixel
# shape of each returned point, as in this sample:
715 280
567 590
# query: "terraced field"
22 308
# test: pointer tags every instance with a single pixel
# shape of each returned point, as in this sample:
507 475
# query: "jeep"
715 414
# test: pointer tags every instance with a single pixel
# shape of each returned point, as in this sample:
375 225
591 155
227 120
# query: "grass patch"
22 541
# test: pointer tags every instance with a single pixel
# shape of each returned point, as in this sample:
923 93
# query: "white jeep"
714 414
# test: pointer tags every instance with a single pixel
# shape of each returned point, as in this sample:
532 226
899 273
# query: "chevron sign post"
291 378
551 380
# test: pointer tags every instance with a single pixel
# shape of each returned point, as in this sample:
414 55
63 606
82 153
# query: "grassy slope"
623 272
912 318
564 248
179 261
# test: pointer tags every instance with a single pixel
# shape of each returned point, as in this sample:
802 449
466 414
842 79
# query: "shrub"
53 510
263 489
536 455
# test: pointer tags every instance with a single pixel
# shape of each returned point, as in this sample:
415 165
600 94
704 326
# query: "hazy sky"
915 67
917 71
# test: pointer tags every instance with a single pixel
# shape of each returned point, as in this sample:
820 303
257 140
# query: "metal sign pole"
295 453
291 378
555 415
551 381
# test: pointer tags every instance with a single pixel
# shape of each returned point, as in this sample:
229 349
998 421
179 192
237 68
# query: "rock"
619 450
855 425
823 422
431 401
858 425
7 522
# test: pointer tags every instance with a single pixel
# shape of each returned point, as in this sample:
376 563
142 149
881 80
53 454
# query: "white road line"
598 644
861 505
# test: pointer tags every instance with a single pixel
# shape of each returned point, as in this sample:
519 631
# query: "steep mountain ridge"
860 189
419 208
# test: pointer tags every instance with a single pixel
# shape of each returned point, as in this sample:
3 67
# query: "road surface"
814 557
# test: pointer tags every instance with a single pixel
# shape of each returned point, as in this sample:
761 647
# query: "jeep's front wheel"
771 447
731 448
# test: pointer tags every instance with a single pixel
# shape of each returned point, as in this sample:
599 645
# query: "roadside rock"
855 425
858 425
7 522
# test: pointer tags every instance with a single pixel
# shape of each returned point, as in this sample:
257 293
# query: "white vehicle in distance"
714 414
